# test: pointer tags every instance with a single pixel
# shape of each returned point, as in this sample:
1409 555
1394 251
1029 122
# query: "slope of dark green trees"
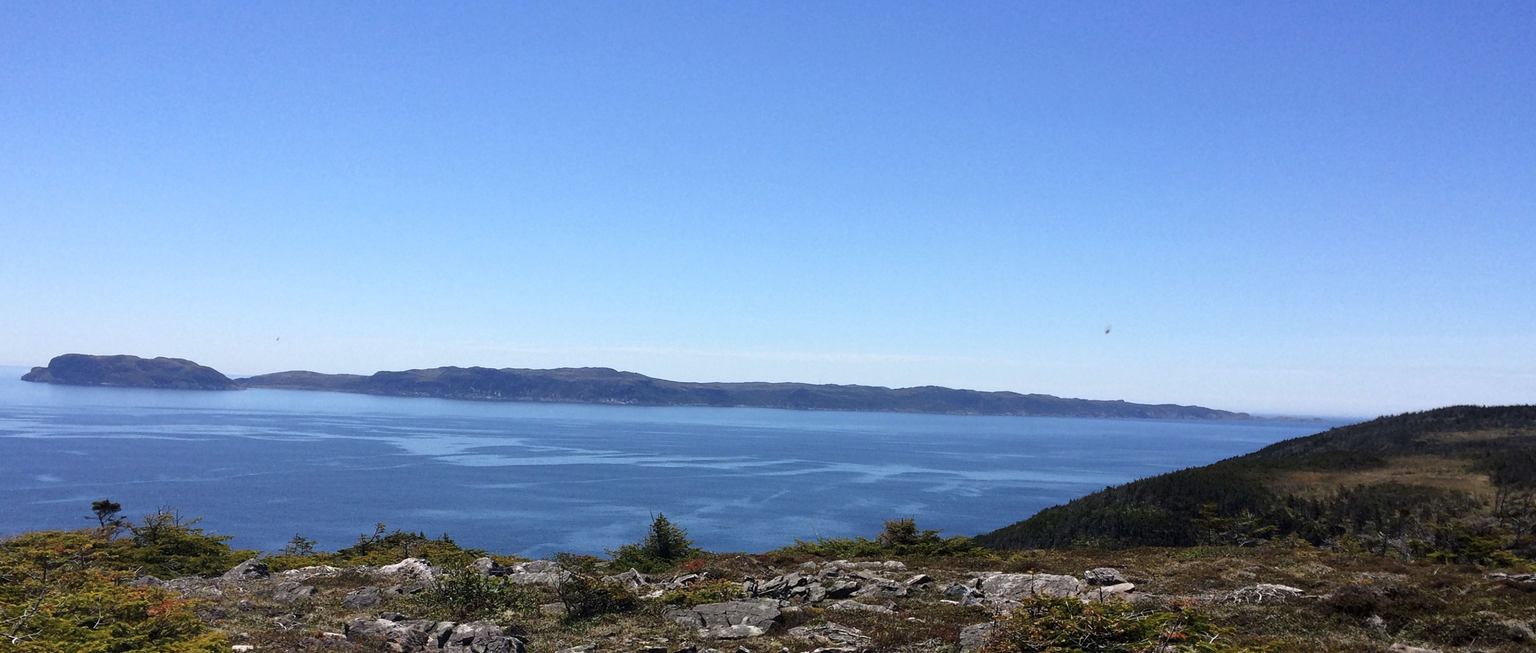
1239 501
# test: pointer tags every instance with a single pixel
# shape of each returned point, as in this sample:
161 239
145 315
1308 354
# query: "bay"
534 479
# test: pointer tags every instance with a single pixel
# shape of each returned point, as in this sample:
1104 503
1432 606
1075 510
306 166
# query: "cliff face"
130 372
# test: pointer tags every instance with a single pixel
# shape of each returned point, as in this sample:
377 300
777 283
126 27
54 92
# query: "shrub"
588 595
664 546
167 545
901 537
59 592
1062 625
710 591
467 595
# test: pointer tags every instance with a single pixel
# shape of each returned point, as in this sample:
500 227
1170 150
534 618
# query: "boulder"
728 620
1017 587
977 636
1265 592
306 573
479 637
830 634
248 570
289 592
421 636
548 578
1107 592
1103 576
365 597
146 581
851 605
537 567
489 567
842 589
414 567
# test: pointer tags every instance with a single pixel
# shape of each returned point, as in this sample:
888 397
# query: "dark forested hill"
603 385
1458 480
130 372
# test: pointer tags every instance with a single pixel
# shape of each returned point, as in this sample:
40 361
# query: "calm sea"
534 479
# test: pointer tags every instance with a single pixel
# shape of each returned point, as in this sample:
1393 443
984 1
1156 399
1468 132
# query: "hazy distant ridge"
608 386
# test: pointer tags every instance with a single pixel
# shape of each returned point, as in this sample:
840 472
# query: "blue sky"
1307 208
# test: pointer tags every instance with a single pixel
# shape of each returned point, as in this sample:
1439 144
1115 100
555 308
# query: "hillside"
1455 483
603 385
130 372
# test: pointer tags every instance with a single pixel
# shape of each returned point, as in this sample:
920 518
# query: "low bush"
59 591
1066 625
709 591
587 595
665 545
467 595
901 538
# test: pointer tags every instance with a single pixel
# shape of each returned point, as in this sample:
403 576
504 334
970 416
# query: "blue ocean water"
533 479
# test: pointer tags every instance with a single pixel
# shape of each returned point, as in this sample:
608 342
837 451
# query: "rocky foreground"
822 607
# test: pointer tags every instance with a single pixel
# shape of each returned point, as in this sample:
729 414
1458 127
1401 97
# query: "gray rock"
365 597
739 631
1103 576
306 573
1404 648
290 592
631 579
1017 587
489 567
1107 592
548 578
842 589
920 579
537 567
146 581
479 637
830 634
1518 630
414 567
852 605
977 636
248 570
815 593
758 614
1265 592
407 636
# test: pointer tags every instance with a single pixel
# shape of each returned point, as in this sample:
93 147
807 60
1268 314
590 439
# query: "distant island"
130 372
601 385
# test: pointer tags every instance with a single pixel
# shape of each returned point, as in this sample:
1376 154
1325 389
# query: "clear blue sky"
1307 208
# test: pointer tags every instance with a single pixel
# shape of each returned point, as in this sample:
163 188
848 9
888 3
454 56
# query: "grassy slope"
1427 468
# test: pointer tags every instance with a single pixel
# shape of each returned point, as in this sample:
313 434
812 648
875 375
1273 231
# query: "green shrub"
166 545
901 537
387 548
665 546
1067 625
709 591
467 595
588 595
59 591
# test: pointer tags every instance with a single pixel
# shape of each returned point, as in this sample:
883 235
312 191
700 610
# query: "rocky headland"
125 371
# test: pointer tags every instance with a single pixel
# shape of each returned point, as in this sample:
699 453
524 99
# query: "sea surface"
534 479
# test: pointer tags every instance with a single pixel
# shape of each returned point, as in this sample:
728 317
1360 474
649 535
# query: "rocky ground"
1289 600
